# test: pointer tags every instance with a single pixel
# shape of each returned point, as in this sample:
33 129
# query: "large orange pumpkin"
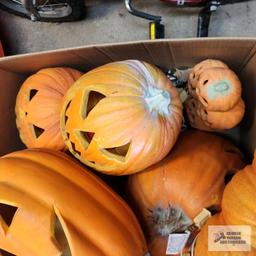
170 194
201 247
38 107
239 199
121 117
50 205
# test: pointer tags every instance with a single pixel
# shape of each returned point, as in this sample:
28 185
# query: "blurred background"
109 21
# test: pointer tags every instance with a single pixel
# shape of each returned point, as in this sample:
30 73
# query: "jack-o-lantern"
215 101
216 86
38 107
50 205
121 117
169 195
218 89
206 120
198 69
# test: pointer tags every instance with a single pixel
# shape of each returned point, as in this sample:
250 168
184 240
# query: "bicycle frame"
209 6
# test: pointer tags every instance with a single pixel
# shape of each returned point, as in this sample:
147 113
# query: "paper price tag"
176 243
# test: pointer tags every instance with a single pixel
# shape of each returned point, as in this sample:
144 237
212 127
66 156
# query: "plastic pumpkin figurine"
198 69
121 117
50 205
206 120
215 101
215 85
38 107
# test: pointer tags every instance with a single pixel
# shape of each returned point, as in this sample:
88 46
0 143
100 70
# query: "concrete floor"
109 21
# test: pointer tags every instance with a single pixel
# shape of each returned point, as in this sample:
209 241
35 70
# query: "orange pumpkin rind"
38 106
133 124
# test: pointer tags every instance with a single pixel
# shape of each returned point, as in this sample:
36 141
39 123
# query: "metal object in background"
208 7
156 28
46 10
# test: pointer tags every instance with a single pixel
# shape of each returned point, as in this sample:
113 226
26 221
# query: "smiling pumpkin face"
121 117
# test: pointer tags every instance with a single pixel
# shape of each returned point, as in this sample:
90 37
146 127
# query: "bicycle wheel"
48 10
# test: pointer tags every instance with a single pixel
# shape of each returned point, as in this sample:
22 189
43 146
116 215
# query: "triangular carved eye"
32 94
38 131
85 136
92 101
5 253
7 212
119 152
61 238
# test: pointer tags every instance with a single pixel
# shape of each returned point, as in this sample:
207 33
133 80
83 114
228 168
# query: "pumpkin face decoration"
38 107
203 119
215 101
121 117
50 205
218 89
170 194
198 69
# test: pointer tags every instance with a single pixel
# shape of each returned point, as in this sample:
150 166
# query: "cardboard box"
239 54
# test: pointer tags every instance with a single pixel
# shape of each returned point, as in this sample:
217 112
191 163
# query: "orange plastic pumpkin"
38 107
201 247
198 69
50 205
216 86
218 89
206 120
121 117
170 194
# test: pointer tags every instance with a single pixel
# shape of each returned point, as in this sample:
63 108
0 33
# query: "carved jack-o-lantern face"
121 117
38 107
50 205
214 85
218 89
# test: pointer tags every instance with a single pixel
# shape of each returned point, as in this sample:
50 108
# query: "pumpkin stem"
158 100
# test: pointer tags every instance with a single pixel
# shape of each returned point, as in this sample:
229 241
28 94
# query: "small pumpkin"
121 117
50 205
198 69
218 89
215 85
38 107
170 194
201 246
206 120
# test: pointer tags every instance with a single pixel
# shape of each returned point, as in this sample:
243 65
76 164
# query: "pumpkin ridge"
82 188
51 76
25 154
91 86
115 70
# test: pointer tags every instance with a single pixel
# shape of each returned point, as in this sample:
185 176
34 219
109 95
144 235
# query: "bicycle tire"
77 13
